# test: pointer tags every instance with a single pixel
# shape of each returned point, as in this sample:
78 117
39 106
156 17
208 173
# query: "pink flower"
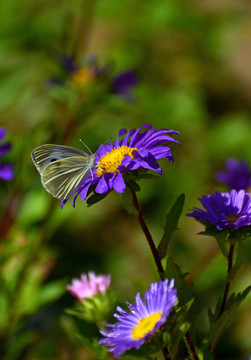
89 285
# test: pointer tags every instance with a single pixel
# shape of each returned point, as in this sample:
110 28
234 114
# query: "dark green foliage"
93 199
218 324
171 225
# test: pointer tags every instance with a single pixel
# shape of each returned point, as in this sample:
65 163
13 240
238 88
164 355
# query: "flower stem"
165 354
153 250
147 235
228 283
190 346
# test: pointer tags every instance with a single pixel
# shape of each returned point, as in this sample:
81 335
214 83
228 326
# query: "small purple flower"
123 84
143 321
73 72
89 285
6 172
137 150
68 63
224 210
237 174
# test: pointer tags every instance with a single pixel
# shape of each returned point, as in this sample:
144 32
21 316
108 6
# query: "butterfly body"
62 168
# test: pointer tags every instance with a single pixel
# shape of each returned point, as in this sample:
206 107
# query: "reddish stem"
191 346
147 235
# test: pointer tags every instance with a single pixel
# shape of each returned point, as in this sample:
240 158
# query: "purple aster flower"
136 150
89 285
237 174
68 65
77 74
73 72
143 321
225 210
123 83
6 172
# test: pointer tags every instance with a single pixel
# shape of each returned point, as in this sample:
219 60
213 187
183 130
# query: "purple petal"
137 133
2 132
5 148
6 172
122 84
119 183
102 186
84 191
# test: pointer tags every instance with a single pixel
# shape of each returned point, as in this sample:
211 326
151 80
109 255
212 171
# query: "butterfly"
62 168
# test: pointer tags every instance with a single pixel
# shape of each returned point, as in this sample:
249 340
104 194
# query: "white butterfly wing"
62 168
45 154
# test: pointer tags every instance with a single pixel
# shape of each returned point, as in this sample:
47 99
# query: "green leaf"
207 355
173 271
34 207
17 344
51 291
131 183
220 235
185 291
33 295
127 202
222 245
241 254
171 225
4 307
99 351
93 199
176 328
219 325
177 337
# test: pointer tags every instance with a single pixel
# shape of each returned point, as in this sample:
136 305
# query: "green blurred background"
193 63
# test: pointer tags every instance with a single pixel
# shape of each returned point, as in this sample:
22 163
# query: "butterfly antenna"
106 142
85 146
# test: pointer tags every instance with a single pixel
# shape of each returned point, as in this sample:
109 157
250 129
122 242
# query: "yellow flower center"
109 162
82 76
145 326
232 218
